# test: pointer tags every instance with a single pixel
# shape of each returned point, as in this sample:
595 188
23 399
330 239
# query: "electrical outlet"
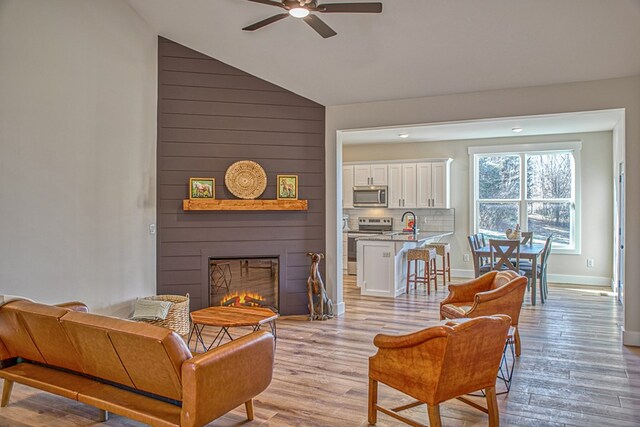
465 257
590 263
152 229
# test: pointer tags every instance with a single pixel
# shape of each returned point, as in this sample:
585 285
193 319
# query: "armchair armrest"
410 340
215 382
74 306
467 291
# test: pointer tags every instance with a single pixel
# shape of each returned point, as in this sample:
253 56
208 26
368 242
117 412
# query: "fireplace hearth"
248 282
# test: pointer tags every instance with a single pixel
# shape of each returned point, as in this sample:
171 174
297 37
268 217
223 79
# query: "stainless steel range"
367 226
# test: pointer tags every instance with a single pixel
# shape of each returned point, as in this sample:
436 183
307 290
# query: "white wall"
77 152
561 98
597 197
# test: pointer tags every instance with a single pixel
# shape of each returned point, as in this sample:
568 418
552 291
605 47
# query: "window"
532 185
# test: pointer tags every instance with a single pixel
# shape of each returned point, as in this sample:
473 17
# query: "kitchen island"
382 261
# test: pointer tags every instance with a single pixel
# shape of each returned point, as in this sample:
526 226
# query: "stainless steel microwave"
370 196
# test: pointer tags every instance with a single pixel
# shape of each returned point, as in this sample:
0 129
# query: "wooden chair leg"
427 268
435 273
408 275
516 338
6 393
492 406
248 405
373 401
449 266
434 415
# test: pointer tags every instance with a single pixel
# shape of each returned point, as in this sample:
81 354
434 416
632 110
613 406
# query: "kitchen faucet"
413 227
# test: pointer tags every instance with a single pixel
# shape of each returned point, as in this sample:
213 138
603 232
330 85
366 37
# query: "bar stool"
428 255
443 250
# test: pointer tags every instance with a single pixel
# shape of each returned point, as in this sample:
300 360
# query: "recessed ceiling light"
517 129
298 12
403 135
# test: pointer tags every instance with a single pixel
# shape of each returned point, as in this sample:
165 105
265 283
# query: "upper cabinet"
375 174
433 184
347 187
402 184
421 184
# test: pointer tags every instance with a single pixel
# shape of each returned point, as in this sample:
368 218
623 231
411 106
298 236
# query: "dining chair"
527 238
505 255
541 269
479 266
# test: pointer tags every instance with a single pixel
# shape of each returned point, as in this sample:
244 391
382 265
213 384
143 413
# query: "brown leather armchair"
490 294
438 364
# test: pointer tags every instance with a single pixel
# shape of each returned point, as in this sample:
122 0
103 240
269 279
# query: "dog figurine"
320 306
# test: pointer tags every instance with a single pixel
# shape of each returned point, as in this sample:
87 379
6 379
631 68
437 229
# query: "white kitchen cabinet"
440 197
347 188
375 272
433 184
375 174
402 182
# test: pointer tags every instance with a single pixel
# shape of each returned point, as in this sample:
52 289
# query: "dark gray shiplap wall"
209 116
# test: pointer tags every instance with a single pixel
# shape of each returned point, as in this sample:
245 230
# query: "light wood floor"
573 370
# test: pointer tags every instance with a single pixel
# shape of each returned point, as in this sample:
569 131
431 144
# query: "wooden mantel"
244 205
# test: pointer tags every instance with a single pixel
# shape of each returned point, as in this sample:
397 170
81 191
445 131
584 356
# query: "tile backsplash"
428 219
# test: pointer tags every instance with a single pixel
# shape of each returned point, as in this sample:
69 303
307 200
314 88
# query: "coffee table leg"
198 331
272 325
219 337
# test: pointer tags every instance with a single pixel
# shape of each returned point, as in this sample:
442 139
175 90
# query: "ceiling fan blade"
269 3
318 24
264 22
350 7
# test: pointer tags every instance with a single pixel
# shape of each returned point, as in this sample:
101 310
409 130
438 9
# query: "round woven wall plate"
246 179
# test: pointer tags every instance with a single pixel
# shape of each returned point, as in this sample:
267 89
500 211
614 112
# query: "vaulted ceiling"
414 48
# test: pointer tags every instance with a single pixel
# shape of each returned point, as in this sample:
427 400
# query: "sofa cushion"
456 310
43 324
14 334
139 355
89 335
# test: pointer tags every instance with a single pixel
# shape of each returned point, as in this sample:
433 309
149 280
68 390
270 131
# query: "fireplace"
249 282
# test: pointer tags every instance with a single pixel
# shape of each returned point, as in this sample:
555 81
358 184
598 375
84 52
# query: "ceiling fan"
303 8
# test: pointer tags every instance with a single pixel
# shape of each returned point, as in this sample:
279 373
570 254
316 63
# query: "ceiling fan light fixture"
298 12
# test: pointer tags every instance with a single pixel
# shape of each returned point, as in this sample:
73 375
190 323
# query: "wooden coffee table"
228 317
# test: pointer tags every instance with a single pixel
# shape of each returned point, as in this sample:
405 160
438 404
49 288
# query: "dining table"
528 251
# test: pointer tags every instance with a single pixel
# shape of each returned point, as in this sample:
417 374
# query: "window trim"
574 147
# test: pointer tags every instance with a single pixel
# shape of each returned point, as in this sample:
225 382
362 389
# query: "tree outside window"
533 189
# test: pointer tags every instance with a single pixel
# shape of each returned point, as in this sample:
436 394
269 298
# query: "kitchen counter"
382 260
421 237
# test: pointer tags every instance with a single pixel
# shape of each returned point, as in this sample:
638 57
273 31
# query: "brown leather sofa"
490 294
136 370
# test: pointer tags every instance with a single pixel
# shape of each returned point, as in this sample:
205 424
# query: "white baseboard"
463 274
630 338
553 278
339 309
579 280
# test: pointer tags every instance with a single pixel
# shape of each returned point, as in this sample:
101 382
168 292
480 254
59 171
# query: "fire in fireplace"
249 282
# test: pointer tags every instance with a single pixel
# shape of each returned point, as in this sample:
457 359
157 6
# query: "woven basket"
178 315
245 179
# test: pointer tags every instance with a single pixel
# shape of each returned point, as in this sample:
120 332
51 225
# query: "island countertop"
407 237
